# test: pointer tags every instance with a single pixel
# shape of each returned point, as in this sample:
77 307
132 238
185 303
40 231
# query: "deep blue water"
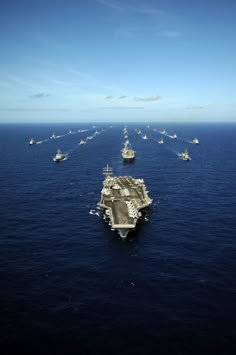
70 285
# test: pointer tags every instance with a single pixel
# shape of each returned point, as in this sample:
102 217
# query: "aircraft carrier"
122 199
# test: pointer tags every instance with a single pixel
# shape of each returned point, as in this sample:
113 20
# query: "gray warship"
122 199
128 154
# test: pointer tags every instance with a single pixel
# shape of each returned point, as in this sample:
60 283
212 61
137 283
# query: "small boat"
145 136
139 132
70 131
59 156
32 141
53 136
174 136
161 141
82 142
184 155
195 141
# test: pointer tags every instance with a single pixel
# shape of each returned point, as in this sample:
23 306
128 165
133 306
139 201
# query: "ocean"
70 285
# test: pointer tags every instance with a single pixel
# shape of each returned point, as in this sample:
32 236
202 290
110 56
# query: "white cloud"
153 97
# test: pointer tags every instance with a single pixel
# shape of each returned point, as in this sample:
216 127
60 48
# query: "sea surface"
70 285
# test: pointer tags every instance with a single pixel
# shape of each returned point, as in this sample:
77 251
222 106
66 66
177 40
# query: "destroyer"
60 156
161 141
53 136
185 156
122 199
163 132
32 141
195 141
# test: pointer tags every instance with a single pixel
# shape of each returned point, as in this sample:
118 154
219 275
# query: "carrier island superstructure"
122 199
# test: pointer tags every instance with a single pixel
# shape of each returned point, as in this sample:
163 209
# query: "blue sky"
115 60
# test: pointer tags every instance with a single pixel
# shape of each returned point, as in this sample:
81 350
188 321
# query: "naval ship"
195 141
32 141
127 153
59 156
185 156
122 199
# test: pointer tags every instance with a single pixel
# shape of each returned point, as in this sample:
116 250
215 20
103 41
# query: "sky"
117 60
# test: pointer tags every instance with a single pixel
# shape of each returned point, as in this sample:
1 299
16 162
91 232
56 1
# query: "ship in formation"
128 154
60 156
163 132
53 136
195 141
32 141
185 155
123 198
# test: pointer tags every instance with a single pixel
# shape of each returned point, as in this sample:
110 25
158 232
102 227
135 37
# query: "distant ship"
163 132
145 136
82 142
122 199
32 141
184 155
139 132
161 141
88 138
59 156
174 136
53 136
70 131
128 154
195 141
